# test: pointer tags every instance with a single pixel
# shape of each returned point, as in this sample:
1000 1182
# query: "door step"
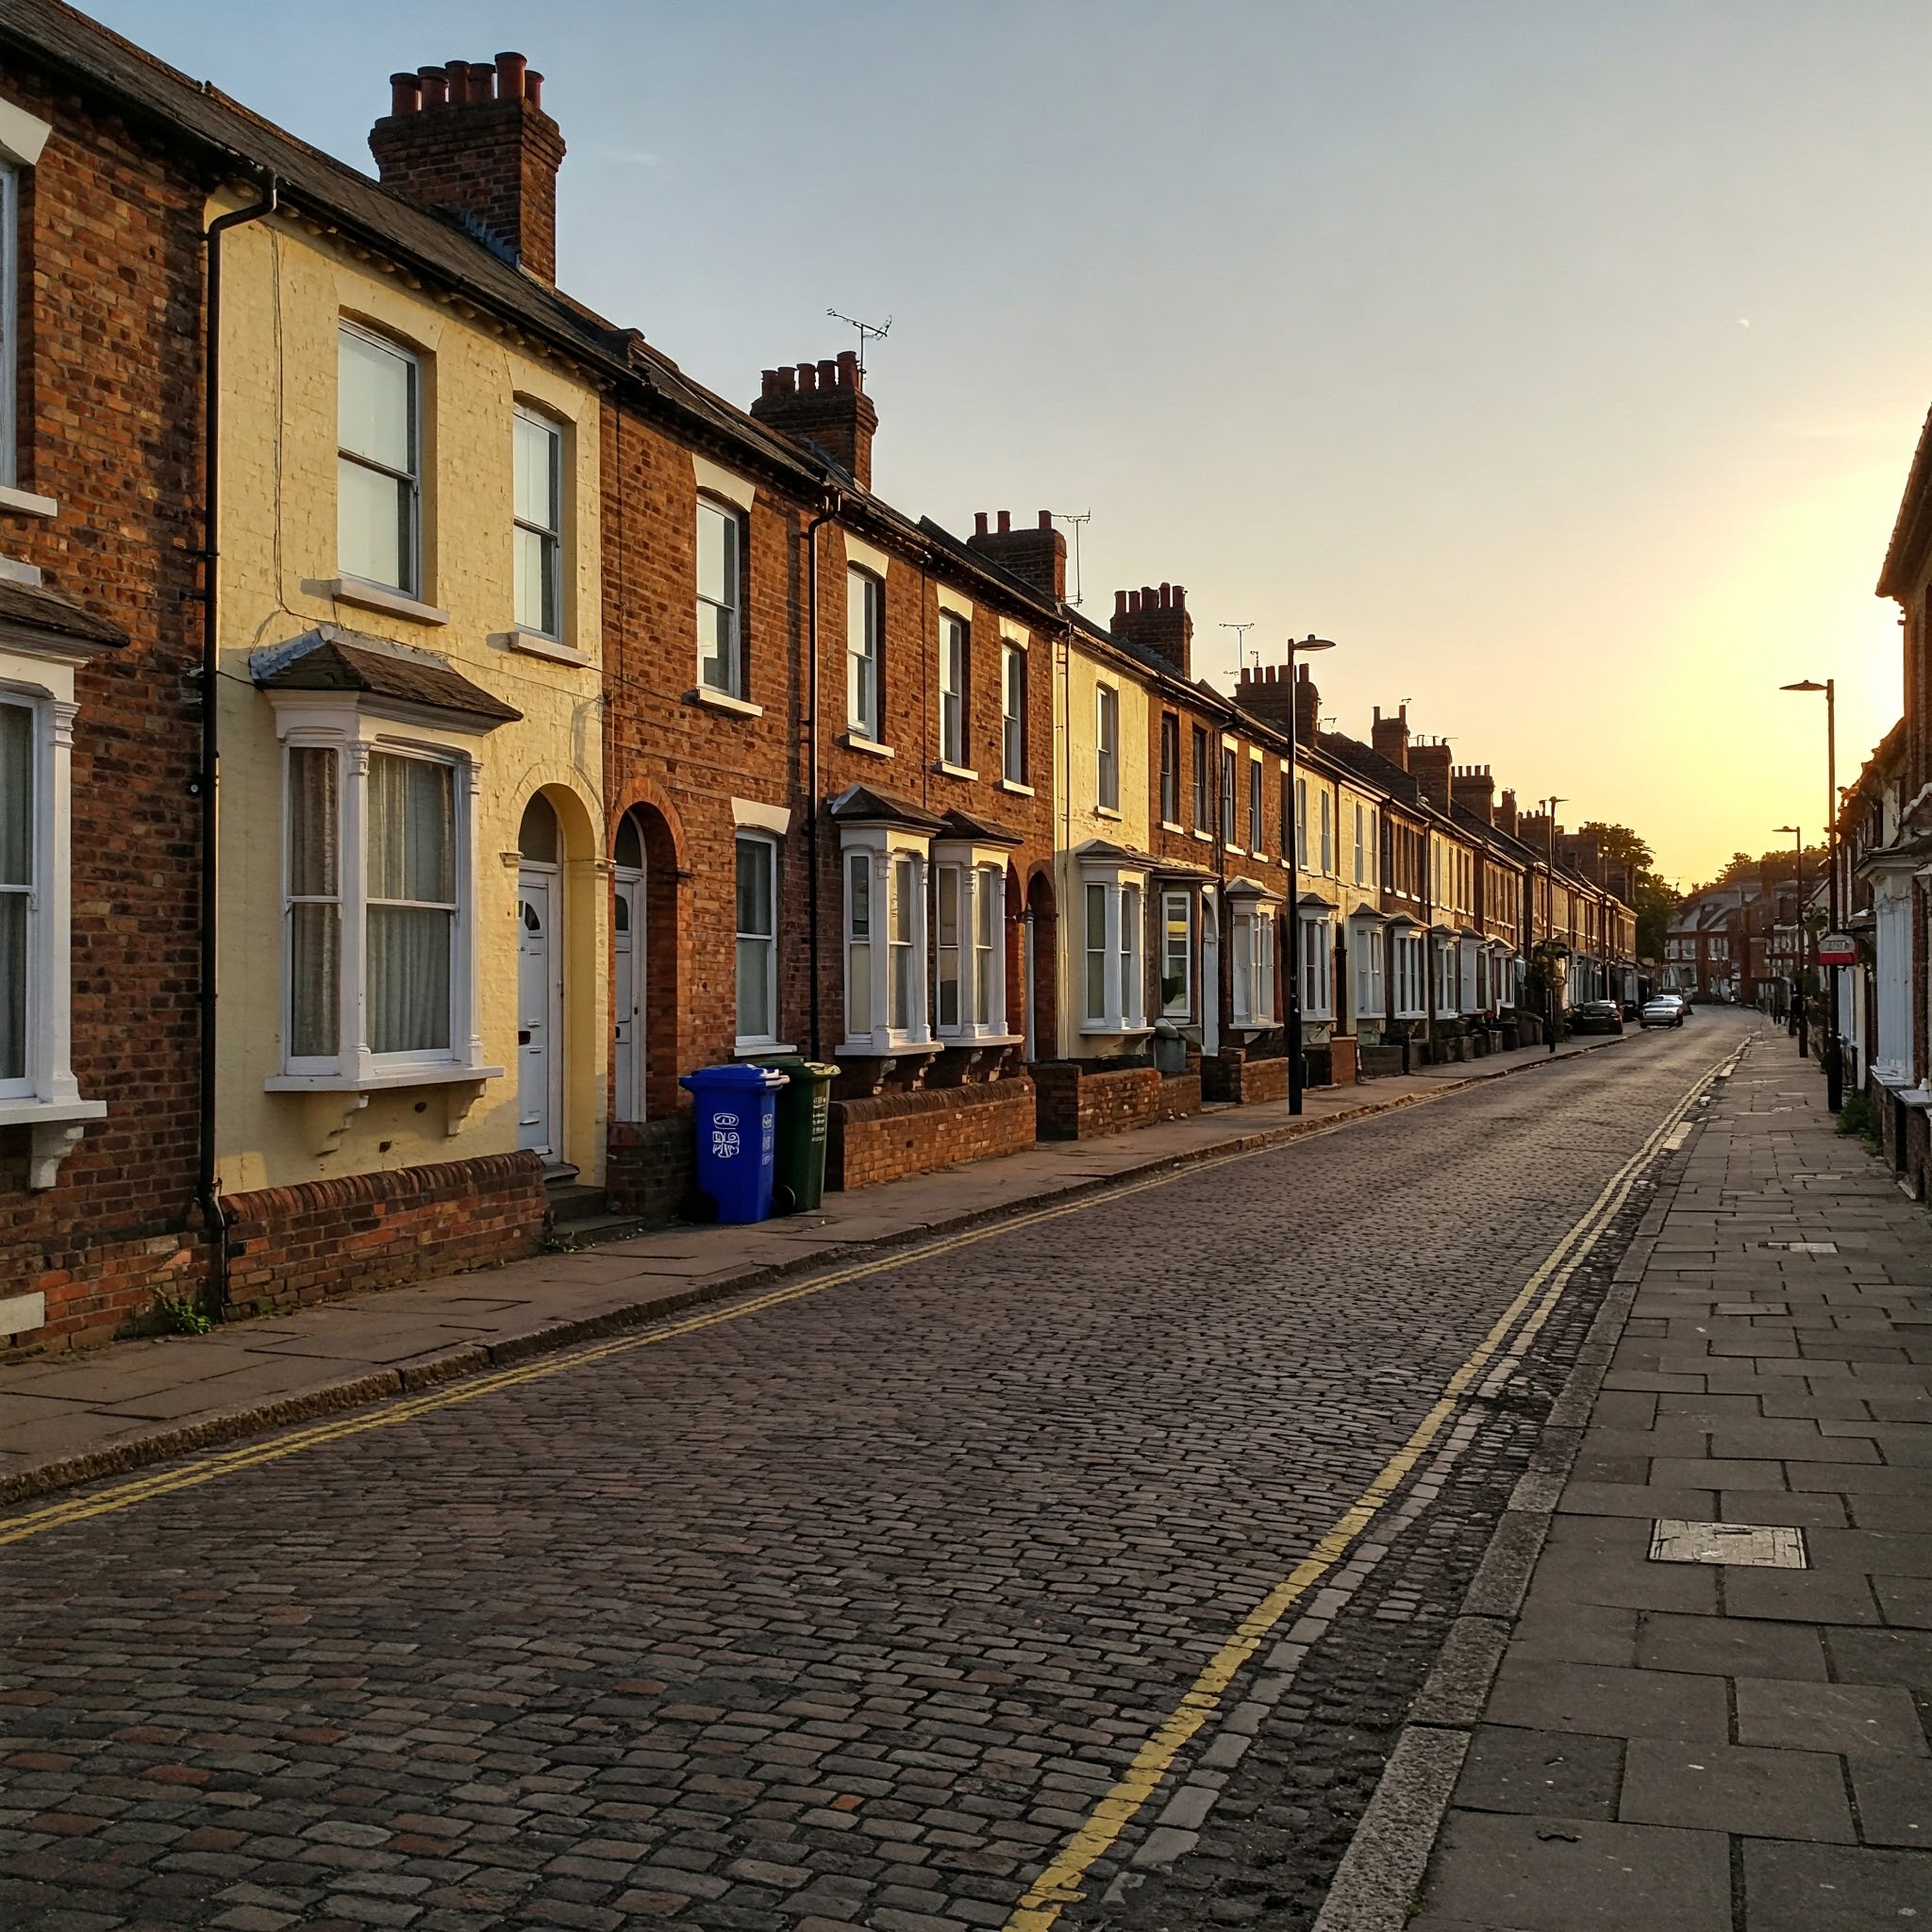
595 1230
573 1201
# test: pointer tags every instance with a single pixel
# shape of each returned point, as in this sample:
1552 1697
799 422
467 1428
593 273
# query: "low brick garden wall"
1076 1103
289 1246
1235 1077
650 1166
886 1135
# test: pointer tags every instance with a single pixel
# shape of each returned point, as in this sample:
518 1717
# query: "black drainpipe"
201 787
834 502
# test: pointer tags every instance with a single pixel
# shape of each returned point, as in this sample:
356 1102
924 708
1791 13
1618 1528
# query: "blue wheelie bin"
737 1136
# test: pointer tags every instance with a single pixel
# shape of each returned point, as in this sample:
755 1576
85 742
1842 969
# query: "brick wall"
289 1246
650 1166
894 1134
1077 1105
1234 1077
110 408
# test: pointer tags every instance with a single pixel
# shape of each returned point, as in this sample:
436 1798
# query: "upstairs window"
9 324
865 636
1300 824
720 599
539 483
378 462
1227 800
1327 833
1253 804
1107 749
1201 817
1013 714
1170 769
954 639
1361 848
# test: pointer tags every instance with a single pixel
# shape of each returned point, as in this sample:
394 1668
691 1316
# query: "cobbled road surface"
844 1613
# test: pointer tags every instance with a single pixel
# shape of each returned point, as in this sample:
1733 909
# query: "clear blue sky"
1563 363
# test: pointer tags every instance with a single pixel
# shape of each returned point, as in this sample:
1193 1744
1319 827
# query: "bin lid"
739 1073
790 1065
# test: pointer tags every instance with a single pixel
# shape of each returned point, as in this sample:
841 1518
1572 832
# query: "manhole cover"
1768 1546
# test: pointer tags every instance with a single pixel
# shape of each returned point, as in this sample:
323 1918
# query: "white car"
1662 1010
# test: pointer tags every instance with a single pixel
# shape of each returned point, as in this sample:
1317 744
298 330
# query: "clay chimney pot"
435 86
405 94
1006 521
510 69
979 523
533 86
1120 604
1046 520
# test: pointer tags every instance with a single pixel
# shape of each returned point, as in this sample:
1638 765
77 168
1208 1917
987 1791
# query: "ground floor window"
758 939
888 937
1407 950
1253 966
1176 956
1366 944
1112 912
1318 968
970 903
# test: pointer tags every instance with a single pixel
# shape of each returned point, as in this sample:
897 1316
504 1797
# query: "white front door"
627 993
1210 977
539 1012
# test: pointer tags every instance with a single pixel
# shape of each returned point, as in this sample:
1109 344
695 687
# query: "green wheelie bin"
804 1111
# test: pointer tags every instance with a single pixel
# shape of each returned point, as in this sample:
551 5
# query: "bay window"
953 639
969 911
1365 947
412 903
858 944
888 875
1318 966
378 462
720 599
1444 949
17 832
865 633
1253 964
758 939
1112 913
1176 956
538 464
1408 988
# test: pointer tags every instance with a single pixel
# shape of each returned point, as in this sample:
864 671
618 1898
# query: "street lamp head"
1311 643
1808 684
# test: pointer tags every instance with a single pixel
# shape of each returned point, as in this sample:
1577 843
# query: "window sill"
966 1036
723 701
536 644
379 1080
27 1110
1238 851
1015 786
1206 837
951 770
856 740
1169 825
1106 812
1096 1029
24 503
759 1049
902 1045
378 597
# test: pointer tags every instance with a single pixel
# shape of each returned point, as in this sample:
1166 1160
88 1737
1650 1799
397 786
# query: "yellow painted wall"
285 291
1077 674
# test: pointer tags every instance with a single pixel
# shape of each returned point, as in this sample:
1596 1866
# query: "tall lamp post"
1798 976
1553 951
1293 842
1834 1061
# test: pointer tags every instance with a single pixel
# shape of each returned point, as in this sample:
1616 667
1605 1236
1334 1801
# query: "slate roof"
862 804
28 606
333 664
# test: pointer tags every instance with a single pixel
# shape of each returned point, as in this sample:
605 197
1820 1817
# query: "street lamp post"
1553 1002
1798 976
1834 1059
1293 841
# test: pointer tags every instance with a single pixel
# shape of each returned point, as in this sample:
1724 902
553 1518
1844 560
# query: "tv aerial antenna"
1075 517
873 332
1241 641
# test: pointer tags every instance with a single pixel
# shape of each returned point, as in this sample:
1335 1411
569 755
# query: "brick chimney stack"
1506 814
1390 735
1262 691
824 403
1158 621
1039 554
1429 766
1475 789
471 139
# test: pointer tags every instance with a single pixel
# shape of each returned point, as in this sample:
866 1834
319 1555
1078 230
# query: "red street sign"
1837 949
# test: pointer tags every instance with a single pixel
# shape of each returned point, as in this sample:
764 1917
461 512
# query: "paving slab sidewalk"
68 1418
1709 1746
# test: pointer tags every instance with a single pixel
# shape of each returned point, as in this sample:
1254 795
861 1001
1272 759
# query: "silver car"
1662 1010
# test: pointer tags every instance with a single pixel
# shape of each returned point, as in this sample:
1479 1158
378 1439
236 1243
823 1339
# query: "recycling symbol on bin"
725 1139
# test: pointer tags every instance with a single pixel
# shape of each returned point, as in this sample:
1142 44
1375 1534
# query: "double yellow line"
1060 1884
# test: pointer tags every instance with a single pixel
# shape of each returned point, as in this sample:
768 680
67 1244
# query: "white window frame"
956 662
549 535
411 572
1466 976
1370 989
1443 968
1230 805
1177 953
1407 992
729 608
1318 966
1360 849
978 873
1254 777
1107 749
1117 947
358 727
1170 769
1327 816
1301 825
865 653
1013 685
749 837
1202 789
884 849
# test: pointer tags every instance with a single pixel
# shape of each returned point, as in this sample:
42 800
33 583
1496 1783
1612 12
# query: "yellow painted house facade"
413 903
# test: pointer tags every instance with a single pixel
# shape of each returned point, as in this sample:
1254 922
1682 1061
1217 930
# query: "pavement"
1691 1687
1083 1566
73 1417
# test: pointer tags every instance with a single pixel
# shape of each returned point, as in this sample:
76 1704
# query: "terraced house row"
431 725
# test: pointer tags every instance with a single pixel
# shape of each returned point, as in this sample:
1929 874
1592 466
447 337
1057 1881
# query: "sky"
1563 364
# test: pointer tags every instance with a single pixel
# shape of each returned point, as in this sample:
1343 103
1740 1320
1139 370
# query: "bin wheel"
783 1200
699 1206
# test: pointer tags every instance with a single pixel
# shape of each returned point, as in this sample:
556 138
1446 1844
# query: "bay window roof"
331 659
861 804
35 618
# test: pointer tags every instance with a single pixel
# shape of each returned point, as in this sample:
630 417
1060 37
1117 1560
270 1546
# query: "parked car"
1662 1010
1597 1016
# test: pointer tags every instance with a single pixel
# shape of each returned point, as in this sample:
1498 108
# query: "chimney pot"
829 375
979 523
768 382
405 94
458 72
435 86
533 88
807 378
510 69
1046 520
848 368
1180 597
1167 596
1120 605
1006 521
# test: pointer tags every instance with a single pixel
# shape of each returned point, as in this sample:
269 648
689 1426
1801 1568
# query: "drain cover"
1768 1546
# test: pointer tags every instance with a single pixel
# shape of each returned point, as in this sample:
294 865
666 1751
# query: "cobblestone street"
850 1610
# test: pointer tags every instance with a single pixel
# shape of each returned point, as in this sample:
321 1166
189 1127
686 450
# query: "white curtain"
412 903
